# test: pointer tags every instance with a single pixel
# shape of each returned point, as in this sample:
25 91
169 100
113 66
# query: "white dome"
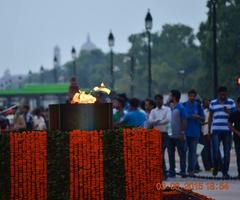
88 45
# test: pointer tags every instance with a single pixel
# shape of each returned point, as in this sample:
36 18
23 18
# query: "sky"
30 29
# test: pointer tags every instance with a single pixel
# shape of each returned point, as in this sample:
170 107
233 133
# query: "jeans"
192 152
236 140
226 139
164 146
174 143
206 152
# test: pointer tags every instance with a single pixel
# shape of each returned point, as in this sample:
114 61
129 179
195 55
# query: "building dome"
88 45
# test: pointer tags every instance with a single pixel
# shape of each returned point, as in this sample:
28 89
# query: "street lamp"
148 26
42 74
215 62
111 44
55 63
29 76
19 81
74 56
131 73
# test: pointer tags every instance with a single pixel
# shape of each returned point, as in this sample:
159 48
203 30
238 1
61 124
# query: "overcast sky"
29 29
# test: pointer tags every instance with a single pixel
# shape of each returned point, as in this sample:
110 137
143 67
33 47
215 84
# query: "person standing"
195 117
220 109
160 117
28 118
149 105
118 108
205 139
177 138
38 121
134 116
234 125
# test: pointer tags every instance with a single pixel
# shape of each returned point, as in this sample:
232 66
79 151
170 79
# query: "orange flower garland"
86 165
143 168
28 165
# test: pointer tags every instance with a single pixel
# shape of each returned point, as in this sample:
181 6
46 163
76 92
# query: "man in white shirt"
160 118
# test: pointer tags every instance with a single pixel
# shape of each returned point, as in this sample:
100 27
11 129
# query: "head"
192 95
206 103
25 109
159 100
149 105
118 103
134 104
222 93
175 96
38 112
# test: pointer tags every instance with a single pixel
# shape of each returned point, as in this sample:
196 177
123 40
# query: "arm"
210 122
234 130
152 119
167 118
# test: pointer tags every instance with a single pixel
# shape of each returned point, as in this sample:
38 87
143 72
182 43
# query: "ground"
217 189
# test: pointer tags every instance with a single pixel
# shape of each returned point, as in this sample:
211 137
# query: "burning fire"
102 88
82 97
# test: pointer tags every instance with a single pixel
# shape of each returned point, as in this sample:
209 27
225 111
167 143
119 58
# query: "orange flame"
82 97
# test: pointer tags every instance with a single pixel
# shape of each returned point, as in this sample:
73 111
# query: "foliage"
228 42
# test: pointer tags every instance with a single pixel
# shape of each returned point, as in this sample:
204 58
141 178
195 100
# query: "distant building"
88 45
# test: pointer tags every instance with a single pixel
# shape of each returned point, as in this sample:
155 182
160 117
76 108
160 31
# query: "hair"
238 100
26 107
222 89
134 102
151 102
176 94
192 91
158 96
120 100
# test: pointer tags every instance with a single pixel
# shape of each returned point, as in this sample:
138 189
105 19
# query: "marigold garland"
143 167
28 165
86 165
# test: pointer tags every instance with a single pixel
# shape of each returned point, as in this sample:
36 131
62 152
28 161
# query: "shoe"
215 172
226 176
183 175
209 170
197 171
192 174
171 175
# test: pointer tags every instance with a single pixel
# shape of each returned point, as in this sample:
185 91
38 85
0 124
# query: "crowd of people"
20 119
193 127
186 126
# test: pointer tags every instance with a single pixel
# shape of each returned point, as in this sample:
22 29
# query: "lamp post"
19 81
111 41
74 56
148 26
131 59
42 74
215 62
55 63
29 76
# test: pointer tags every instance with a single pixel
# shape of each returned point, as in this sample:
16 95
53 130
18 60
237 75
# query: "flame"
82 97
102 88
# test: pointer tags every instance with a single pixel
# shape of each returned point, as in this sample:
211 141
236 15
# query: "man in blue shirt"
177 137
195 116
220 109
134 117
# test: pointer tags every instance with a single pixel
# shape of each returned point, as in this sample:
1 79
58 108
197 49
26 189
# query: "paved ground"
217 189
